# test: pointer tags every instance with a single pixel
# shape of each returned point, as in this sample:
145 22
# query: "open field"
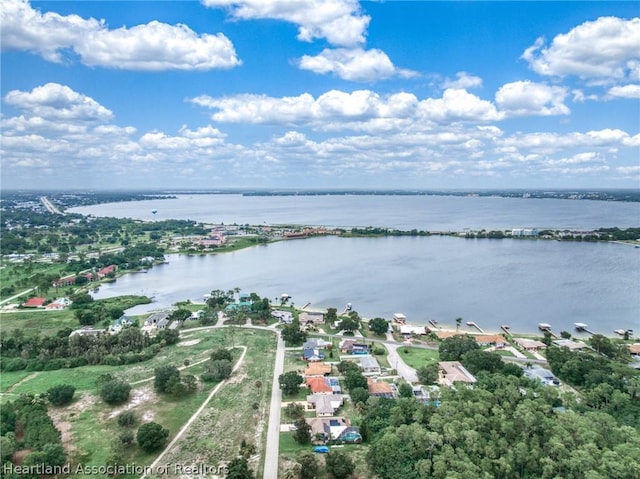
418 357
40 321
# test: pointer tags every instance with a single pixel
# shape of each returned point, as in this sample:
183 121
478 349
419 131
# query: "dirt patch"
189 343
138 396
19 456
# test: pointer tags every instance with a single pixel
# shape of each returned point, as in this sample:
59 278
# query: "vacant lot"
418 357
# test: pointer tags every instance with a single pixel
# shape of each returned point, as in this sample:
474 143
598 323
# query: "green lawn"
418 357
44 322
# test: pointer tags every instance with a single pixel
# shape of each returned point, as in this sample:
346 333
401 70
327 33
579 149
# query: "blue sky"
320 94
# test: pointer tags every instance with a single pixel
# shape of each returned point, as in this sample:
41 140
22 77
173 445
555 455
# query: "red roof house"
106 270
34 303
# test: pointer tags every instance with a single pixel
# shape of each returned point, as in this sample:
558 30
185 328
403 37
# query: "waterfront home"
569 343
159 320
324 405
285 317
120 323
399 318
107 270
451 372
381 389
529 344
491 340
407 330
317 369
311 318
87 331
369 365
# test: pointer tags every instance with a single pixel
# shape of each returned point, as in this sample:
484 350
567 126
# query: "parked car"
321 449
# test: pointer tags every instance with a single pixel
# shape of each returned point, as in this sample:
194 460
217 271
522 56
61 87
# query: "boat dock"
506 329
434 323
474 325
308 303
581 327
546 327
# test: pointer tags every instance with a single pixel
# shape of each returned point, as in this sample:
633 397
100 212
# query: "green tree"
293 335
165 378
61 394
454 347
290 382
217 370
331 316
379 326
428 374
477 360
354 379
238 468
294 410
339 465
359 395
126 418
302 433
151 436
115 391
309 466
349 324
221 353
405 390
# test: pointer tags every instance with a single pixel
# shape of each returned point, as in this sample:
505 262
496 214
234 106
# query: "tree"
294 410
359 395
180 314
349 324
165 377
379 326
126 418
290 382
308 466
458 323
221 353
151 436
331 316
293 335
302 433
217 370
405 390
565 334
603 345
61 394
115 391
239 469
477 360
339 465
354 379
452 348
428 374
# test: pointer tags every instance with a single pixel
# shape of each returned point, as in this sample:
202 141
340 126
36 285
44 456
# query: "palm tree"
458 322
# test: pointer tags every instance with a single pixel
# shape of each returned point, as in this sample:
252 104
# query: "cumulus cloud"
354 64
458 105
151 47
463 81
607 49
57 102
625 91
527 98
340 22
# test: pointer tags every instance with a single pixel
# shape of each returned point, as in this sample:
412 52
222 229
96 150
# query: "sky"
320 94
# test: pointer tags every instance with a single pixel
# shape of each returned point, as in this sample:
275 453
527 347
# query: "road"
16 296
407 372
273 432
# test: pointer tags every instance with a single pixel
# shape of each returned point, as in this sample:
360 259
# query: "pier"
434 323
581 327
307 304
474 325
547 327
506 329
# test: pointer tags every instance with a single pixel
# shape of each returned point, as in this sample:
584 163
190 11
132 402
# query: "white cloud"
58 102
463 81
629 170
526 98
354 64
625 91
458 105
340 22
606 49
151 47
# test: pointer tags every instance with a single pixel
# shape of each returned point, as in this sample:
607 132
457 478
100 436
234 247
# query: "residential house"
285 317
381 389
529 344
107 270
399 318
58 304
319 385
34 303
350 346
369 365
311 318
317 343
324 405
407 330
334 428
451 372
427 394
65 281
545 376
159 320
87 331
634 349
491 340
120 323
571 344
312 354
317 369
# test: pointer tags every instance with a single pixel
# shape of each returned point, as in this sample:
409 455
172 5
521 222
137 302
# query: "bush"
115 391
151 436
61 394
217 370
126 419
14 364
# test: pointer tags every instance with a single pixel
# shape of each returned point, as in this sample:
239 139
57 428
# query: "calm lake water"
435 213
491 282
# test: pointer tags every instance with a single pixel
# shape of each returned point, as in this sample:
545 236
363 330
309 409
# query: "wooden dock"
474 325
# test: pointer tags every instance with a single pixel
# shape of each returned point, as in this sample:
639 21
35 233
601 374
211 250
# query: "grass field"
418 357
44 322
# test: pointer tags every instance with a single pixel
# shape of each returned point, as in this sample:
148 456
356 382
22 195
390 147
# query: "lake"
491 282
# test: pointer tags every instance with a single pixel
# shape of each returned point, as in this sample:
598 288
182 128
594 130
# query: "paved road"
395 361
17 295
273 432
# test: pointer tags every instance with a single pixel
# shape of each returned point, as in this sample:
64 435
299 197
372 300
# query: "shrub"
61 394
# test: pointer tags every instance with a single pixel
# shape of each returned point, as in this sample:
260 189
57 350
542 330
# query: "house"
524 232
451 372
568 343
334 428
107 270
446 334
545 376
120 323
317 369
311 318
87 331
159 320
58 304
285 317
324 405
317 343
634 349
312 354
65 281
350 346
381 389
319 385
407 330
399 318
427 394
491 340
529 344
34 303
369 365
